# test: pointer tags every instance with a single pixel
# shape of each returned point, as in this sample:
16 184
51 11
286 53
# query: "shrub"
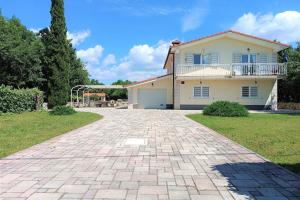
226 109
62 110
20 100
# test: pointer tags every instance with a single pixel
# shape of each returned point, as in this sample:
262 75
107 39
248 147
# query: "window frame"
249 92
201 97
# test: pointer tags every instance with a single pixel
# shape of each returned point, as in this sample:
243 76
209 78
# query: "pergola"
84 88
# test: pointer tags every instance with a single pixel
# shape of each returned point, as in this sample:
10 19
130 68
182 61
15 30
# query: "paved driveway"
143 154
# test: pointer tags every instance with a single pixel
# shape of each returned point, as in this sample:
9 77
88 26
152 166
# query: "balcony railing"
235 69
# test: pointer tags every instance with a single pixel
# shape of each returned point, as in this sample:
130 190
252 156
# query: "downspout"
173 80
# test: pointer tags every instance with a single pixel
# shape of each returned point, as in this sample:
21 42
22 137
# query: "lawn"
275 136
20 131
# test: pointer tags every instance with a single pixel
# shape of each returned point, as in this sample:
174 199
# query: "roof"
148 80
236 32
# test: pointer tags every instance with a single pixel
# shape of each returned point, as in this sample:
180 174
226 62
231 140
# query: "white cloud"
78 37
110 59
284 26
195 16
142 61
91 55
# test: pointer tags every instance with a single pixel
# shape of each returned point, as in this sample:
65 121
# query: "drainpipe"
174 44
173 81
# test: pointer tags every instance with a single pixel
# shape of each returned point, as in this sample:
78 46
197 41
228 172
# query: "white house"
230 66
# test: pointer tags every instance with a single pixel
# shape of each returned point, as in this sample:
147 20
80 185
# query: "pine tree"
59 67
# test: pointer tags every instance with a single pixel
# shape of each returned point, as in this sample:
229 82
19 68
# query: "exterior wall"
229 90
225 47
164 83
177 95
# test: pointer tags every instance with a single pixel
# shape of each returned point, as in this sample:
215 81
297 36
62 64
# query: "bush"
226 109
62 110
20 100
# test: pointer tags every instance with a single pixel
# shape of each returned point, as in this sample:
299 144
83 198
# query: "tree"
118 93
289 87
59 62
20 64
95 82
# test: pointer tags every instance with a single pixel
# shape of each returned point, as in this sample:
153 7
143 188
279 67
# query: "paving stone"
206 197
74 189
204 184
179 194
22 186
53 184
111 194
153 190
45 196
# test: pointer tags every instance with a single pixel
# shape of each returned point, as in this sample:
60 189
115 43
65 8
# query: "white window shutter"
214 58
262 58
189 59
197 91
253 91
245 91
236 57
205 91
274 58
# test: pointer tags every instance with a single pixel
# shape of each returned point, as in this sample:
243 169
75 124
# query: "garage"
152 98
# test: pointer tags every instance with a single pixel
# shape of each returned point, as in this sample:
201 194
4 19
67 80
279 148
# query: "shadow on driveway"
261 181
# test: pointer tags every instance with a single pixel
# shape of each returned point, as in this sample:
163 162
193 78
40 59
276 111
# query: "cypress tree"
59 67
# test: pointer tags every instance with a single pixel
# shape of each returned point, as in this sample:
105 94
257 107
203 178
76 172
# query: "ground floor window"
201 91
249 91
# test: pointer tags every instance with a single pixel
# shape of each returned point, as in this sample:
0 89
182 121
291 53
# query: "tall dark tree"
59 65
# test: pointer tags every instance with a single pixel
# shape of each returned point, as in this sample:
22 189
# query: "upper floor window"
248 58
206 59
210 58
197 59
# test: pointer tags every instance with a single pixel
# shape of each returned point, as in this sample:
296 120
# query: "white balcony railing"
235 69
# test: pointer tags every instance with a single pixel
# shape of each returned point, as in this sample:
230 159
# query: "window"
253 91
205 91
253 58
244 58
201 91
249 91
197 59
205 59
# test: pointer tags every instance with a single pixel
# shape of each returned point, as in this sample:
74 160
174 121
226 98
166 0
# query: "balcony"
231 70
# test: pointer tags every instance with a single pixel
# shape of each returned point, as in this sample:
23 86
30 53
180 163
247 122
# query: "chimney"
175 43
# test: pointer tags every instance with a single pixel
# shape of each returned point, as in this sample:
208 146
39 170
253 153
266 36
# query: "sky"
129 39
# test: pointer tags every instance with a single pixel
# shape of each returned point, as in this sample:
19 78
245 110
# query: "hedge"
19 100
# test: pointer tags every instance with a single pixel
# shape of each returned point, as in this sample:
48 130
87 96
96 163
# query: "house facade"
228 66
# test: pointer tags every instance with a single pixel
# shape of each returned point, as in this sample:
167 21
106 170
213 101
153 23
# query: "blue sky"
128 39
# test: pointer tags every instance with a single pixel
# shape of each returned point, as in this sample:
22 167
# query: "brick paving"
143 154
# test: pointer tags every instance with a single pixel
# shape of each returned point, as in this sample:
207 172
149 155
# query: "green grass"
20 131
274 136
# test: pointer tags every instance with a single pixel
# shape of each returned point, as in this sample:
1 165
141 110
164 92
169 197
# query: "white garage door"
152 98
